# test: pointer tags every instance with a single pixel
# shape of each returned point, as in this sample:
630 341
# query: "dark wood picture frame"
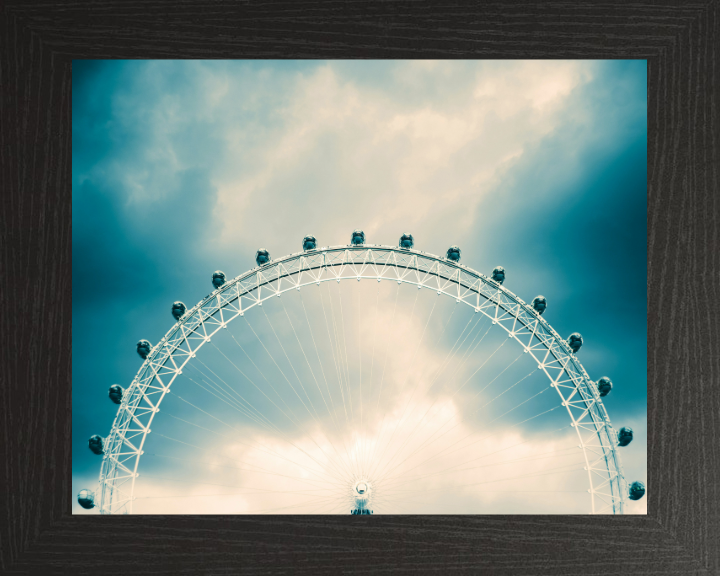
680 534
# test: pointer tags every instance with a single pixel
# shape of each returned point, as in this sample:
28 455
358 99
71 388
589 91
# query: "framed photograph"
457 281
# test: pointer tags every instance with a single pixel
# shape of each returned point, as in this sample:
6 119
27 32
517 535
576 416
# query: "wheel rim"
577 392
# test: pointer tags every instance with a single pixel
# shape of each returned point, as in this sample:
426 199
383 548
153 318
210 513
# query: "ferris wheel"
361 378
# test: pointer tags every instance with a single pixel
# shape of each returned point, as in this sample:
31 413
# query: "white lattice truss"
578 393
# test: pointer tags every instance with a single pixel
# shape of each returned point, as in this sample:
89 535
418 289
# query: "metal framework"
577 392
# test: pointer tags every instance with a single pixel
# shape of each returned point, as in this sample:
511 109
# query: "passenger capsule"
95 443
218 278
539 303
358 237
625 436
309 243
604 386
453 253
178 309
116 393
143 348
86 499
637 490
498 274
262 257
575 341
406 241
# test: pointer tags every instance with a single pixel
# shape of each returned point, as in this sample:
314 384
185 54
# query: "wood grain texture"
681 534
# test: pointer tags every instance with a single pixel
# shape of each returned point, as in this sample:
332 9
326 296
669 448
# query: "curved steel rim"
578 393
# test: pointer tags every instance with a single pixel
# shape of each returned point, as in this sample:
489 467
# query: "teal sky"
184 167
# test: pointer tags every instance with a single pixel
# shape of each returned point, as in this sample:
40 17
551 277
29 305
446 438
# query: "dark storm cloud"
569 222
131 255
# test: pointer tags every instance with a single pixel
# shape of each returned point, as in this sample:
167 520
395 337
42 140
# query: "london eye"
361 379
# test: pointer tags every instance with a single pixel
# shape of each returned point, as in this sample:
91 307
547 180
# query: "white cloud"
421 145
377 160
505 473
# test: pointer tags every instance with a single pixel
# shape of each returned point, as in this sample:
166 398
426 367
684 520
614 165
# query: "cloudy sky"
183 168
